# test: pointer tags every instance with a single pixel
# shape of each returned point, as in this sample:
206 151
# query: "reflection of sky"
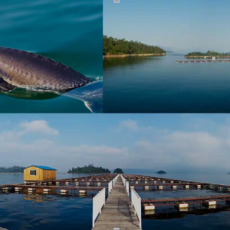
177 194
22 212
182 26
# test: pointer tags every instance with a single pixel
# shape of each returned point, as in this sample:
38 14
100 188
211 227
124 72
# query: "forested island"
89 169
14 169
113 47
118 171
208 54
161 172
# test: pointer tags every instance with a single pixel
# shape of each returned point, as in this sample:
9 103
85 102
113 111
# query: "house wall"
39 174
49 174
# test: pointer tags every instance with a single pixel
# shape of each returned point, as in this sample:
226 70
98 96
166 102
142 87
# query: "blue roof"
43 167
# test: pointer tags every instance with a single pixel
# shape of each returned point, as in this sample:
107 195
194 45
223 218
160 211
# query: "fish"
22 69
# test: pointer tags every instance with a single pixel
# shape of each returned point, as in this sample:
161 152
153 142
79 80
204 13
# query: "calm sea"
159 84
27 212
68 31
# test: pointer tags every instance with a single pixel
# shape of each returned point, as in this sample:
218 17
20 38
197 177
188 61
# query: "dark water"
213 221
23 211
68 31
37 211
46 212
159 84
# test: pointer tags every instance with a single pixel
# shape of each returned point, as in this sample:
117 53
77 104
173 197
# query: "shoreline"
132 55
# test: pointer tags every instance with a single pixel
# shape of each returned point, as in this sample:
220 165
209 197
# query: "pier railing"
136 202
98 203
110 186
123 180
115 179
126 184
127 187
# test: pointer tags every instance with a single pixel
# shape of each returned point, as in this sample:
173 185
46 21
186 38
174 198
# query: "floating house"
39 173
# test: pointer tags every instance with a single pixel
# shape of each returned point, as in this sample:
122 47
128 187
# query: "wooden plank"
118 211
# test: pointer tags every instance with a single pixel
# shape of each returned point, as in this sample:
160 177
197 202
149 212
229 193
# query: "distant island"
118 171
161 172
14 169
89 169
113 47
208 54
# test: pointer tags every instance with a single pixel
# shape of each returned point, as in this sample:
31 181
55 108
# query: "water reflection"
39 198
171 213
32 95
91 95
127 61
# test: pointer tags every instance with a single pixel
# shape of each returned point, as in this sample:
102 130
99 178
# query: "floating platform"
118 212
202 61
188 200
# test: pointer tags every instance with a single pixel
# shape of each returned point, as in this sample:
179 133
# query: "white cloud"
132 125
185 149
129 124
149 148
10 135
98 150
38 126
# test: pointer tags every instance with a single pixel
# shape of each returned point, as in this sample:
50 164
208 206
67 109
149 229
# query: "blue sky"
180 25
171 142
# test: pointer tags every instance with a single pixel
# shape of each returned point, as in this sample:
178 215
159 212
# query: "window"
32 172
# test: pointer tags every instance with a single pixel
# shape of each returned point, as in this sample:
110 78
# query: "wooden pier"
189 200
118 212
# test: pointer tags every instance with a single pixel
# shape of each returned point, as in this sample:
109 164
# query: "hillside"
114 46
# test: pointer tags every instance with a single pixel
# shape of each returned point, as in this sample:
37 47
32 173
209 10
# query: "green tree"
209 53
116 46
89 169
118 171
14 169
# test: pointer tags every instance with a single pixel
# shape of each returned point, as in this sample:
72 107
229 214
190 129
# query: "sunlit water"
22 211
68 31
159 84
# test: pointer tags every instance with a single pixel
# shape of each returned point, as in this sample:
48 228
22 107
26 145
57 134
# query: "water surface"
58 29
23 211
159 84
38 211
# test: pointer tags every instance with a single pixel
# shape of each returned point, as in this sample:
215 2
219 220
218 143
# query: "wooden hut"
39 173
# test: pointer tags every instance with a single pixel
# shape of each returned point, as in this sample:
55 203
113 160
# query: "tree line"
114 46
14 169
209 53
88 169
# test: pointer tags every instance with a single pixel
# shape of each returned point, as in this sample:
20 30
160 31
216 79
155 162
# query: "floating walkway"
124 209
203 61
118 212
189 200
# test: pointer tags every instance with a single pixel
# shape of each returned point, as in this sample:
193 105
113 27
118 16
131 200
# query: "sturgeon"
21 69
